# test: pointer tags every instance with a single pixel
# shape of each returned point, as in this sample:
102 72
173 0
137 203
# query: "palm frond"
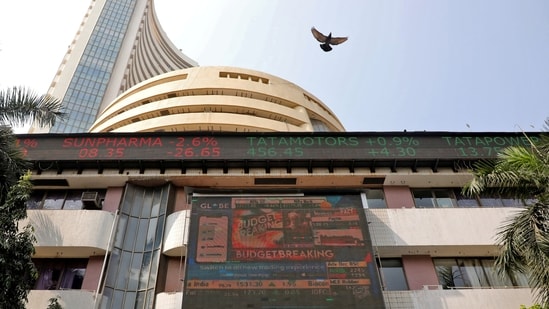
521 159
19 106
518 171
521 172
524 241
12 163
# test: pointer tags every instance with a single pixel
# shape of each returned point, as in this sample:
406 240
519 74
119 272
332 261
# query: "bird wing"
336 41
318 36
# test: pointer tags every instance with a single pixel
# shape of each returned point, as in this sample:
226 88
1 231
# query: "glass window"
73 200
464 200
145 270
137 205
149 242
154 268
159 232
117 299
54 200
72 278
139 303
131 230
490 201
448 272
375 198
106 298
444 198
392 275
423 198
122 276
530 201
132 269
156 203
129 301
141 236
60 274
113 267
35 200
135 271
472 273
495 279
519 279
146 211
430 198
59 199
509 201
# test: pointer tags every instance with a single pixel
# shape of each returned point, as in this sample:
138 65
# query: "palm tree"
12 164
522 173
18 106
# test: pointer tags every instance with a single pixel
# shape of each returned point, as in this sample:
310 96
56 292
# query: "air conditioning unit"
91 200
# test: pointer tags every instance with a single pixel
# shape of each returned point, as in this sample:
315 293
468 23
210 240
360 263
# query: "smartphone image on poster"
212 239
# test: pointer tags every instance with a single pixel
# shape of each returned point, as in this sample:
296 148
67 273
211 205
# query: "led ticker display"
187 146
277 252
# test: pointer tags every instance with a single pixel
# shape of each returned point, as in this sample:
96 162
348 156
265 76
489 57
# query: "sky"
422 65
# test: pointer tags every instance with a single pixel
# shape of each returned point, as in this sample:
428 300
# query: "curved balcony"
81 299
175 236
70 233
458 299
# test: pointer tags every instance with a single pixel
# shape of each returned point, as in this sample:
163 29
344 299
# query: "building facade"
263 220
217 99
222 187
118 44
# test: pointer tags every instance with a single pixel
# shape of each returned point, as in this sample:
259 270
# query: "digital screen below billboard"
280 252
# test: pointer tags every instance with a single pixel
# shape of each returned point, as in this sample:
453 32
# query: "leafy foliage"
521 172
536 306
54 304
19 105
518 171
17 271
11 161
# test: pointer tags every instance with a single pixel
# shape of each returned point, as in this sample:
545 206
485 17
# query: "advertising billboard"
280 252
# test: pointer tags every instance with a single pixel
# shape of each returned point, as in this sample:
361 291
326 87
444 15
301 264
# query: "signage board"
280 252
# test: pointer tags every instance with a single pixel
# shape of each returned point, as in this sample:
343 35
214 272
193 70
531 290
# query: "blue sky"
418 65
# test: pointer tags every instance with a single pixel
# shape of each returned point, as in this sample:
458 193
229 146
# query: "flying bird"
327 40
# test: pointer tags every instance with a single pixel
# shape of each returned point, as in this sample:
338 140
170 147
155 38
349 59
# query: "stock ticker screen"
280 252
189 146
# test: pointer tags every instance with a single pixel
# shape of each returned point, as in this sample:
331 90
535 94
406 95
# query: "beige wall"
216 99
436 231
70 233
458 299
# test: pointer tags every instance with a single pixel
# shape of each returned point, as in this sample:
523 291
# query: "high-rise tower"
119 44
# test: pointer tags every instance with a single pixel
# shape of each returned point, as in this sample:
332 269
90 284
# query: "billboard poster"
280 252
